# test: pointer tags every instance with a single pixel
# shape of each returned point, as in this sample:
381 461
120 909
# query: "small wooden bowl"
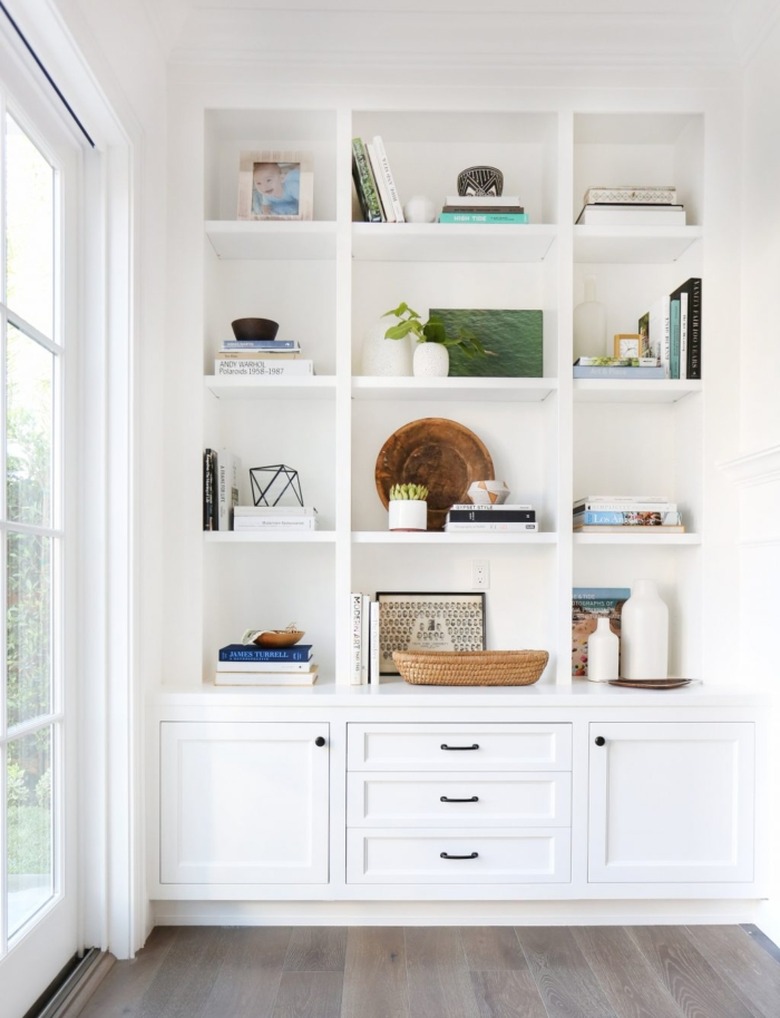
255 328
278 637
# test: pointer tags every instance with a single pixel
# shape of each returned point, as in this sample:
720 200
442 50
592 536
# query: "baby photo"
275 185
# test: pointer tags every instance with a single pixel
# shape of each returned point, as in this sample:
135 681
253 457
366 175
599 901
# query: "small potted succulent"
408 507
431 353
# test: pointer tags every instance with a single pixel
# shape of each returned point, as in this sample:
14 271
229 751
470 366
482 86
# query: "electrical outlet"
480 574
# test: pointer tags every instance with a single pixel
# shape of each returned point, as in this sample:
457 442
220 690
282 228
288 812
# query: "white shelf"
645 390
292 387
636 245
519 390
451 242
270 537
439 537
277 240
636 538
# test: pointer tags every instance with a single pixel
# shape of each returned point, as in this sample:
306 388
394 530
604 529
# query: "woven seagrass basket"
471 667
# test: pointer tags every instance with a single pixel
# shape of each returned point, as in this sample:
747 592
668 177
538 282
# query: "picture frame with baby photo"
274 184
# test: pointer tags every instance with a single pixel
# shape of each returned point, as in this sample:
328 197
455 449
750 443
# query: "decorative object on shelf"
382 357
275 185
274 481
435 335
425 622
419 209
628 345
471 668
587 606
408 508
512 341
603 652
286 637
650 683
480 180
590 324
644 634
247 330
443 455
488 492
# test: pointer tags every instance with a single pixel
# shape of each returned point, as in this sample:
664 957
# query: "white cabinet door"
671 802
243 803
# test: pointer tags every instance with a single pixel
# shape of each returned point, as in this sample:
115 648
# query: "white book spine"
683 335
356 635
387 175
373 642
245 523
475 528
228 470
365 632
381 182
262 368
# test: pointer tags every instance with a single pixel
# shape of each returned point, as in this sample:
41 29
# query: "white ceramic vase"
603 647
590 325
385 357
407 514
431 360
644 633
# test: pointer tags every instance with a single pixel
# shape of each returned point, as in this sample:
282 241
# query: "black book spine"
492 516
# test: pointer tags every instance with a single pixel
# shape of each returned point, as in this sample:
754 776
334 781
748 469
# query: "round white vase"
644 633
385 357
419 209
407 514
603 647
431 360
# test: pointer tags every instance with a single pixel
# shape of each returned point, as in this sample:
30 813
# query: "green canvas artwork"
513 337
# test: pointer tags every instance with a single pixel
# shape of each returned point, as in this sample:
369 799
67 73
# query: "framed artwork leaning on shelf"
428 621
275 185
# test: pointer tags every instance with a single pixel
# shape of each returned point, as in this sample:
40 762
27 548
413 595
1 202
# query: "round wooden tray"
441 454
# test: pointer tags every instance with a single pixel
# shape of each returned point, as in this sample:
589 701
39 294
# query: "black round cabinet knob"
600 740
319 741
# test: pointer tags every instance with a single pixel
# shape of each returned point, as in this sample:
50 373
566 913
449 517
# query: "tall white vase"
431 360
603 646
644 633
590 325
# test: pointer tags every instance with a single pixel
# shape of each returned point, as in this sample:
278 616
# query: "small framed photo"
443 621
628 345
275 185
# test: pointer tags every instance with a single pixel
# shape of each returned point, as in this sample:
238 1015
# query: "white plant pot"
407 514
431 360
385 357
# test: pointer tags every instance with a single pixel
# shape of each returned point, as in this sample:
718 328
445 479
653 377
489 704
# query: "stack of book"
375 186
631 206
616 514
507 518
618 367
265 518
671 330
485 209
243 664
364 639
261 358
221 472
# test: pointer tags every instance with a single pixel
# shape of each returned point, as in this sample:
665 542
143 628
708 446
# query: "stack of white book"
262 358
243 665
497 518
257 518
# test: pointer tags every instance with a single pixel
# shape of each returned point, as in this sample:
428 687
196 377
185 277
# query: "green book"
368 193
487 218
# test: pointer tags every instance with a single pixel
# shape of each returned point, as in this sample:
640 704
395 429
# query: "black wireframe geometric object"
281 476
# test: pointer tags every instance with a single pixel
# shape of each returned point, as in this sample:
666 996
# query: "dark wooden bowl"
255 328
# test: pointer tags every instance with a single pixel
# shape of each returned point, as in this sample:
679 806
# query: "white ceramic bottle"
603 646
590 325
644 633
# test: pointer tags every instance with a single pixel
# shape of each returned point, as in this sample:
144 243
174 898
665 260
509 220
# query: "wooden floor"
446 972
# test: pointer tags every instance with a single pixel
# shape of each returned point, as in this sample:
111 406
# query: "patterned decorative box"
646 194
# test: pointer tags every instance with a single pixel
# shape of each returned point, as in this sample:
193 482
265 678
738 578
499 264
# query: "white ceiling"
709 34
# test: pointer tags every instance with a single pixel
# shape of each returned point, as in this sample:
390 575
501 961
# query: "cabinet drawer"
448 856
458 747
540 799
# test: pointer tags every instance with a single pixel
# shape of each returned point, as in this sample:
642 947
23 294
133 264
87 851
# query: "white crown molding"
759 467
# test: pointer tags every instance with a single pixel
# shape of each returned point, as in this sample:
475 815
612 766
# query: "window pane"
28 627
29 415
30 231
30 824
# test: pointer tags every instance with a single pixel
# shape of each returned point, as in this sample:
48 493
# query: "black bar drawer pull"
446 798
445 746
471 855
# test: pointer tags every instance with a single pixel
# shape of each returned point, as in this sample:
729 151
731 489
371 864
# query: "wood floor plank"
248 980
123 988
492 947
316 949
750 970
565 981
507 993
184 981
631 984
694 984
308 995
438 975
375 981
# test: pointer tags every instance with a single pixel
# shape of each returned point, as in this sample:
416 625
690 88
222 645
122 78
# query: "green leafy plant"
411 492
409 322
